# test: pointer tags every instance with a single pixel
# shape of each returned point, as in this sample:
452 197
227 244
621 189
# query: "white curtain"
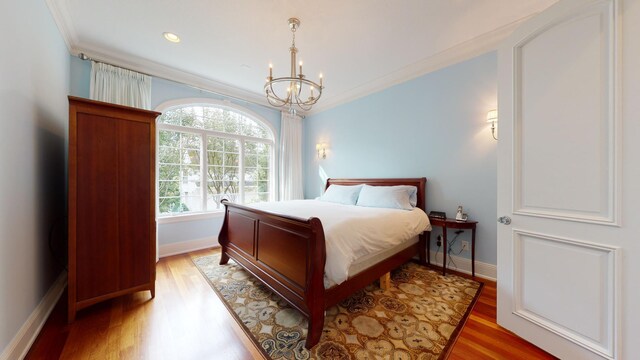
120 86
290 157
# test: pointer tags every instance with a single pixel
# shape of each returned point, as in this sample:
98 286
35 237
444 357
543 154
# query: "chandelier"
294 90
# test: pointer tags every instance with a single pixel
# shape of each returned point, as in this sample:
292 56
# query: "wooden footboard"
287 254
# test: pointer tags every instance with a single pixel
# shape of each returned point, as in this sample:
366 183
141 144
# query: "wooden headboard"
420 183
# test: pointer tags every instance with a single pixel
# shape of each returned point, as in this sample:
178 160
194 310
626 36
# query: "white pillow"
342 194
393 197
413 193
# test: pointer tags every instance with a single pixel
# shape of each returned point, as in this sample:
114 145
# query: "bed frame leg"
316 323
224 258
385 281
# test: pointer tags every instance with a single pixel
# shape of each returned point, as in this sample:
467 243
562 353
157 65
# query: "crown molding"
63 21
464 51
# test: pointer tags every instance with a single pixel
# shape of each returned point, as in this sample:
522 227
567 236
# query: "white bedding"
353 231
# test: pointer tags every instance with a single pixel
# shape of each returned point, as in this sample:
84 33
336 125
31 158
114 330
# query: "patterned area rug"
417 318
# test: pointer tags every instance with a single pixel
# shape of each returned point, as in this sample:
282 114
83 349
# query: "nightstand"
452 224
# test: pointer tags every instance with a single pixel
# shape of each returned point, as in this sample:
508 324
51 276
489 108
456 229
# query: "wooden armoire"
112 225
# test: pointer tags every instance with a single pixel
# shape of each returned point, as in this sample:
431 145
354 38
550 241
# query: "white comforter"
352 231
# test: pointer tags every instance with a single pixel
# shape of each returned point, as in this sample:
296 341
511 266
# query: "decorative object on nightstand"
452 224
460 215
438 214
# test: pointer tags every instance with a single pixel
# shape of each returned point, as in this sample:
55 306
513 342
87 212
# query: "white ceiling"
360 46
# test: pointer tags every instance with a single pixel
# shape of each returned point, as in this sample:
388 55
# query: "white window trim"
171 104
169 219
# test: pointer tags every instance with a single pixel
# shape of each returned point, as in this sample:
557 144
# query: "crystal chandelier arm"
272 97
304 105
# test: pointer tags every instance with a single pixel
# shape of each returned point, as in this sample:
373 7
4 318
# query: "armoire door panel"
134 178
97 208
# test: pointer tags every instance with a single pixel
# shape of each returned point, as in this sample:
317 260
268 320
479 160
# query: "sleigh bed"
288 254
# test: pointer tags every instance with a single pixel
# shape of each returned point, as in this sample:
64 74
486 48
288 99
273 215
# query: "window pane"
263 174
250 175
252 128
179 175
250 160
190 173
215 173
191 203
169 172
256 173
231 122
218 190
263 162
215 143
169 188
231 159
192 117
173 117
171 205
250 148
230 173
190 157
263 186
215 158
213 119
222 171
180 159
190 141
169 138
168 155
231 146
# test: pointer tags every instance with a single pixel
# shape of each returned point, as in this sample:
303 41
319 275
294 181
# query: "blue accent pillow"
342 194
393 197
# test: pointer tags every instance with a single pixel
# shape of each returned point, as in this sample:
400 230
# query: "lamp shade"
492 116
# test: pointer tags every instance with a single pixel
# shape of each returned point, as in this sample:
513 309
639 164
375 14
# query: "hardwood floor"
186 320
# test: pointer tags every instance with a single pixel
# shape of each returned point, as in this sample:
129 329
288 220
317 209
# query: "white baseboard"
21 343
463 265
187 246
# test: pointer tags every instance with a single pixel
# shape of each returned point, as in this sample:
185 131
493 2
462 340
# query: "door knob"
504 220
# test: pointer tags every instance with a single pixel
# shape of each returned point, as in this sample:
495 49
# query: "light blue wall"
432 126
162 91
34 73
79 77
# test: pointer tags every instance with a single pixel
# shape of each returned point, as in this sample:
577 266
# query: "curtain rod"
83 56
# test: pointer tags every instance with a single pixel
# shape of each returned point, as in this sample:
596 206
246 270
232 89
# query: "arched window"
209 151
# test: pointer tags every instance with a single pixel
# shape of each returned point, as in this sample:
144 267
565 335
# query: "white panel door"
561 154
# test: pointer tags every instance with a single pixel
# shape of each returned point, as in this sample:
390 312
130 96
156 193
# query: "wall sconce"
321 149
492 117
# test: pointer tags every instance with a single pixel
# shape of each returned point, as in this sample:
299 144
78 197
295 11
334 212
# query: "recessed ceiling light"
171 37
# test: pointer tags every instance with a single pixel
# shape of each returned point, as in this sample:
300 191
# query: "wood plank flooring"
186 320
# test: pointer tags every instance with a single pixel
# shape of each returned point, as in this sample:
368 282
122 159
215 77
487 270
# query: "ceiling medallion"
294 91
